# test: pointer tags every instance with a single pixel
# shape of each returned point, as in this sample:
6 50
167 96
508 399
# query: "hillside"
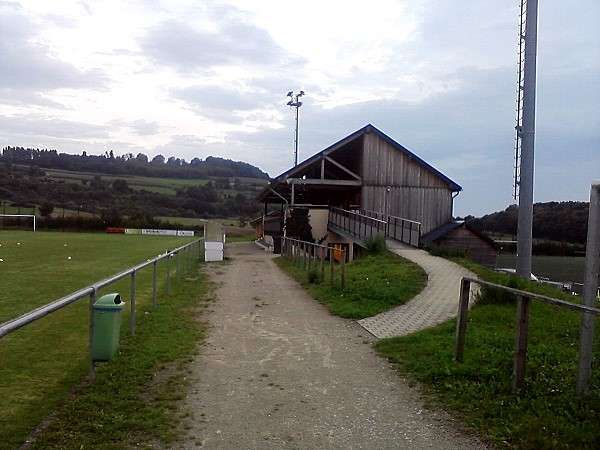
127 190
553 221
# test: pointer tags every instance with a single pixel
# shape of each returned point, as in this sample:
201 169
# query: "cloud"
227 40
145 128
28 62
52 127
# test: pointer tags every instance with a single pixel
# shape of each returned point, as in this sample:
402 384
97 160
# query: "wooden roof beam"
345 169
324 182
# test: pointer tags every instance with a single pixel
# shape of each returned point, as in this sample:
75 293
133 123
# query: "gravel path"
278 371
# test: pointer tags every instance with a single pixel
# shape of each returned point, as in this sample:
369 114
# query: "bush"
376 244
314 277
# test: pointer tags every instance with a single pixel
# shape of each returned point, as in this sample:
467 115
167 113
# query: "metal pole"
154 284
132 313
168 258
92 370
590 291
296 138
527 135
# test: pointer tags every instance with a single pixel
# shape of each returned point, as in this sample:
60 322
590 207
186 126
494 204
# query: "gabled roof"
346 177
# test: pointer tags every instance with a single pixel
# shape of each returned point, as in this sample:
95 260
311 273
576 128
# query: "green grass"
546 413
43 361
163 185
373 284
133 401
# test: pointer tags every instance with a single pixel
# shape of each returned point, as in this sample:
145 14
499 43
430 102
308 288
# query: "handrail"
91 290
403 230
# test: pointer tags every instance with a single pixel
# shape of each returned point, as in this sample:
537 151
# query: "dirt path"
279 372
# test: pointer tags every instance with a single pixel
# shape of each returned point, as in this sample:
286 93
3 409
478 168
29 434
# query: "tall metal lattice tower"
520 85
524 161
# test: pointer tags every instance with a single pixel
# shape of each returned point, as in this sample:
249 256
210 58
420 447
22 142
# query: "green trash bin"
107 326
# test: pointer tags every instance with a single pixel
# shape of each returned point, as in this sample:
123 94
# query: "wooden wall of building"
477 249
394 183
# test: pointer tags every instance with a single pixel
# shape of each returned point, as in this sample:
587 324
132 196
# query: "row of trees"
553 221
128 164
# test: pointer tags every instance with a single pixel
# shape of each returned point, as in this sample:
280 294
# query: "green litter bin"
107 326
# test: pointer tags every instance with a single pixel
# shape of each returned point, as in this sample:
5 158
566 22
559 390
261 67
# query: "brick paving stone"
437 303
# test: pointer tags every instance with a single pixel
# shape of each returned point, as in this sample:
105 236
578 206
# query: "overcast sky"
199 78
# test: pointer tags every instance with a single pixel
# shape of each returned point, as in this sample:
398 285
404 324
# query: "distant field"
42 362
556 268
161 185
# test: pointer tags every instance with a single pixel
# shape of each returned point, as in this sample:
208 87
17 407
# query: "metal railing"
356 224
371 222
190 253
309 256
520 349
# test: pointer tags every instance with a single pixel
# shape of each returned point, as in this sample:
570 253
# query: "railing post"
155 284
331 265
132 310
304 255
168 257
322 264
461 322
590 291
521 335
178 275
92 369
343 270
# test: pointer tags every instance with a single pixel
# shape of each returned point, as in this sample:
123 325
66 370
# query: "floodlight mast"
295 103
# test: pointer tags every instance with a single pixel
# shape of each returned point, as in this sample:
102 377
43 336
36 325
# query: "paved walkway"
437 303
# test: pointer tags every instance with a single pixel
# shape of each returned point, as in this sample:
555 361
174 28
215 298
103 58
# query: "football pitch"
42 362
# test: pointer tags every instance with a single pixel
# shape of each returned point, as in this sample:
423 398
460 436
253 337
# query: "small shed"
461 236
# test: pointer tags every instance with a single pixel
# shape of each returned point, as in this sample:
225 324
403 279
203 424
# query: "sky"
192 79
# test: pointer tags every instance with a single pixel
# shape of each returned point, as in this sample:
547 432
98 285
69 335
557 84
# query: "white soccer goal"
31 216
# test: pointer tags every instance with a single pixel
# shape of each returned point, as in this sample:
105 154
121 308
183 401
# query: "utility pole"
295 103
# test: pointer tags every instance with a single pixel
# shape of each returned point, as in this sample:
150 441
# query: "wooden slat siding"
479 251
415 192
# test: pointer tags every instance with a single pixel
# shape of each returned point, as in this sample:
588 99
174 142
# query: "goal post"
32 216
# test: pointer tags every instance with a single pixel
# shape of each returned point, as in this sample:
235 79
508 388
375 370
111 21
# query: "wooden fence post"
331 265
461 321
343 270
322 264
521 334
590 291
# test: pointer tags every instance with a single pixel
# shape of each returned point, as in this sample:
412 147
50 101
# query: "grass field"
160 185
42 362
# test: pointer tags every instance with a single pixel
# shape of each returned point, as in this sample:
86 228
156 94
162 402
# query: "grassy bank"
373 284
42 362
133 402
546 413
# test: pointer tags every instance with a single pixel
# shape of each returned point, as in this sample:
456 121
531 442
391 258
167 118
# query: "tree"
46 209
121 186
158 159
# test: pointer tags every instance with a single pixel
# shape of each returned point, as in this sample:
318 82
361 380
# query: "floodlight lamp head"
301 94
289 94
